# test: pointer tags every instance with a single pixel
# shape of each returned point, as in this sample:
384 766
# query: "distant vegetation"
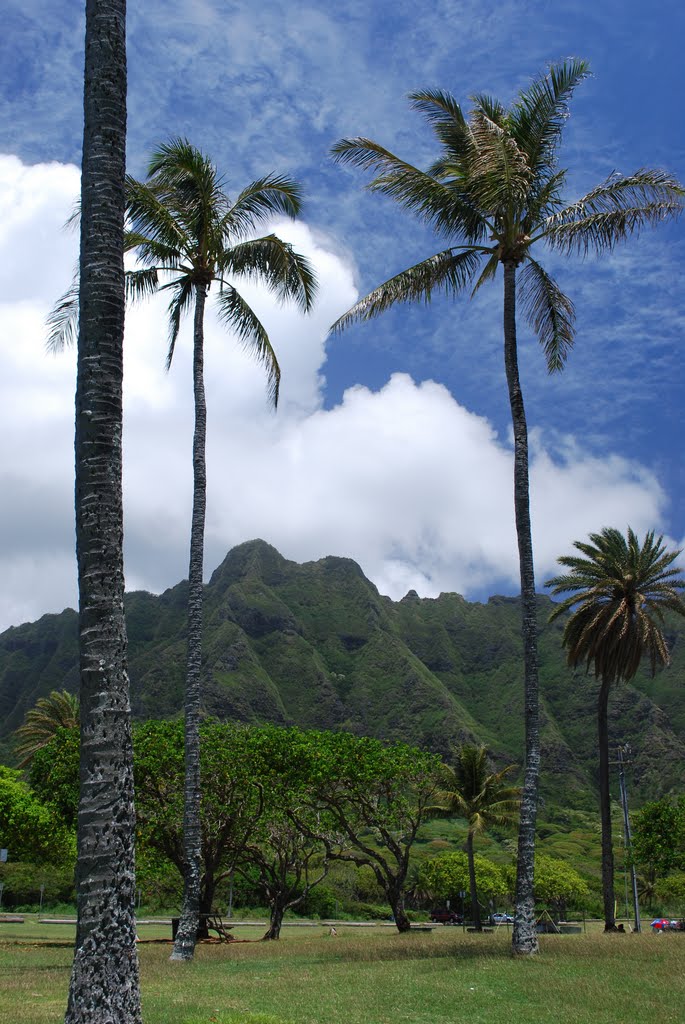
315 645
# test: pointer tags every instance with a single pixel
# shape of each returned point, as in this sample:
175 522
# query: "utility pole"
624 752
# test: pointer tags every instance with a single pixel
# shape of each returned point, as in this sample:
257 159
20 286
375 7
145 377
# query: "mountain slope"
317 645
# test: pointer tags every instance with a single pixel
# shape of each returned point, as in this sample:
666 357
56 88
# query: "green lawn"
367 976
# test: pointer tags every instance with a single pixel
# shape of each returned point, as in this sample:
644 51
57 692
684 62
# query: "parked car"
501 919
443 915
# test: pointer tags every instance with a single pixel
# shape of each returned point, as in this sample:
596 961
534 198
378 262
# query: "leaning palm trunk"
104 981
186 936
605 809
524 934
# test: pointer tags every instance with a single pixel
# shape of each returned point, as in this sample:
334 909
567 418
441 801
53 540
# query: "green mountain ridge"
316 645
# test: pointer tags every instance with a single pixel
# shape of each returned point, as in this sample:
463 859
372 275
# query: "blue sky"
272 87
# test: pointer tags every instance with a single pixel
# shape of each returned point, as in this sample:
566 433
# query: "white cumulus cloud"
404 479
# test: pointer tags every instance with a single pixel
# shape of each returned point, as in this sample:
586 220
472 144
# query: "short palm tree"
494 194
189 235
482 797
59 710
618 594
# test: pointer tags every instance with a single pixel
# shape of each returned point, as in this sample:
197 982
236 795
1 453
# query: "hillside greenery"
316 645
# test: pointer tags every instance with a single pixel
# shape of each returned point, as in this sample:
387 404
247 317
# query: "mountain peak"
252 558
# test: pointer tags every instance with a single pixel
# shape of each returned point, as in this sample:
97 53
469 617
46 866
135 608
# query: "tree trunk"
605 809
475 906
184 946
524 939
206 904
396 901
275 922
104 980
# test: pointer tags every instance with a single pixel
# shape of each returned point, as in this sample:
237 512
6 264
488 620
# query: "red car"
442 915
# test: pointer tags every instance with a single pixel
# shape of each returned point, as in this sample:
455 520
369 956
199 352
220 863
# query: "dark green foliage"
29 830
22 883
443 878
53 775
659 835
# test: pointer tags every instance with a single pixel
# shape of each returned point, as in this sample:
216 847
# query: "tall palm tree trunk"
104 980
475 906
605 808
524 938
186 936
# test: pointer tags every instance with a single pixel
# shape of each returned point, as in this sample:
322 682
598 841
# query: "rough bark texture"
104 985
475 906
275 922
396 901
605 809
186 937
524 939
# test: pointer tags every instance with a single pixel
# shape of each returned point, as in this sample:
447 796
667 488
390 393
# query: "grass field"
366 976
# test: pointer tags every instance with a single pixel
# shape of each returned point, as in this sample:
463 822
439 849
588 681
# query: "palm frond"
617 208
179 305
141 284
537 118
549 312
62 321
500 174
285 272
442 204
186 177
437 107
448 272
490 107
236 314
152 252
153 219
273 194
471 791
447 120
488 272
544 199
59 710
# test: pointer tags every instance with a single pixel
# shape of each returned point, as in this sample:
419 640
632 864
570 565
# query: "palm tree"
59 710
104 979
188 235
482 798
495 191
618 594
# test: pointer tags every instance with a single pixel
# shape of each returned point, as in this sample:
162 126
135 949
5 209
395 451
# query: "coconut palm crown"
187 233
495 195
495 191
